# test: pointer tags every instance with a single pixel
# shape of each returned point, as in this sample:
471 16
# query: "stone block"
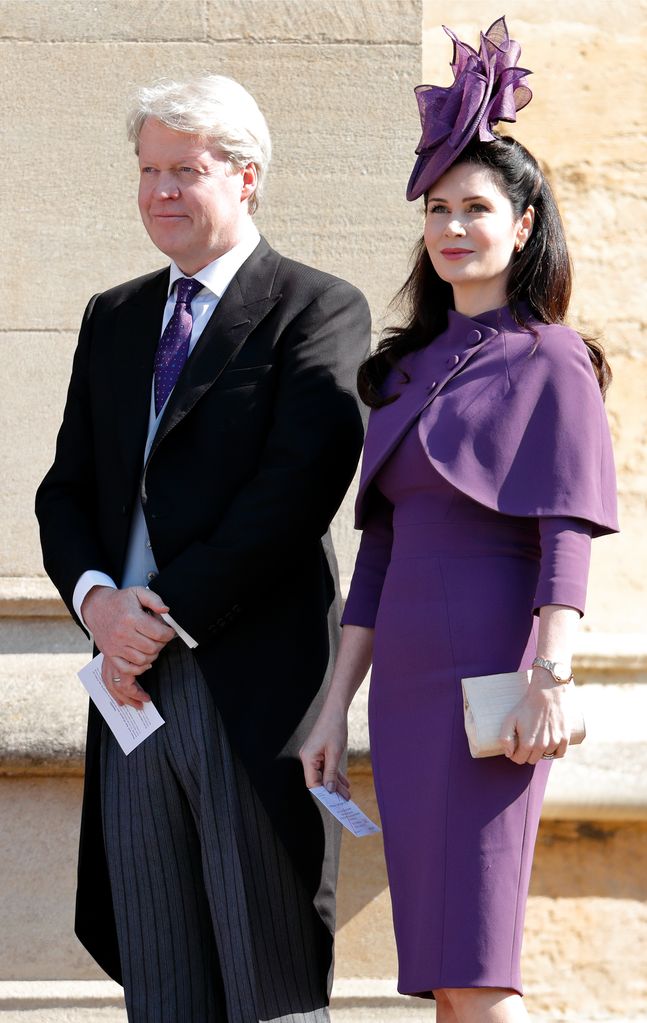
27 596
335 195
617 593
576 54
44 713
79 21
36 371
43 635
368 22
38 846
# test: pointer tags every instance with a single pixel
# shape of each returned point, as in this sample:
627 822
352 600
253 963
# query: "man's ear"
250 181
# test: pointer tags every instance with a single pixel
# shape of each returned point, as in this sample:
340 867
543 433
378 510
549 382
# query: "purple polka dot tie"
173 348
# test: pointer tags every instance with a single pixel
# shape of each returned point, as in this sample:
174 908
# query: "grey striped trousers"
212 920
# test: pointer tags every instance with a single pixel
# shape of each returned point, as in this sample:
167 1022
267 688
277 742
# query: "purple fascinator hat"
487 87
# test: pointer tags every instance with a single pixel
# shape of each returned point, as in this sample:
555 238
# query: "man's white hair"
217 109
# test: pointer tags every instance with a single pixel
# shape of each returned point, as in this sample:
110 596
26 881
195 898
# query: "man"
210 432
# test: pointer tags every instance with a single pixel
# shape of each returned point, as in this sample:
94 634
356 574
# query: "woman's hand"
322 751
539 724
324 748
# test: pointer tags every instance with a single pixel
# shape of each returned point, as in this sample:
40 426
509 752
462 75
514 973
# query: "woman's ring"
116 680
548 756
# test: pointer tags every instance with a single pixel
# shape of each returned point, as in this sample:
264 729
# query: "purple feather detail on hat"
487 87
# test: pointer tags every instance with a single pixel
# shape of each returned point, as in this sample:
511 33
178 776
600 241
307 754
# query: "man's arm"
121 624
308 462
65 499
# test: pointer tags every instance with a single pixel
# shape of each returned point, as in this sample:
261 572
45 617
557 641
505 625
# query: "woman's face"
471 233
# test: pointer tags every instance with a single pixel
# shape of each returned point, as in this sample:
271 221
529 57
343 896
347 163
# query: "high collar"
497 319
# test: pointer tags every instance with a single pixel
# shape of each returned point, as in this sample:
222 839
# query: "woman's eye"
478 207
437 208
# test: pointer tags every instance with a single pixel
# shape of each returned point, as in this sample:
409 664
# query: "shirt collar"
218 275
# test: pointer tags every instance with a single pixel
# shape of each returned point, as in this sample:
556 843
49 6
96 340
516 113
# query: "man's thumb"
151 600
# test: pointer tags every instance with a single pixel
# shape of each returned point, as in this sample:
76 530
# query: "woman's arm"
540 722
324 747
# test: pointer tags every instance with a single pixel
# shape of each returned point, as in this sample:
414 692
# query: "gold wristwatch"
558 670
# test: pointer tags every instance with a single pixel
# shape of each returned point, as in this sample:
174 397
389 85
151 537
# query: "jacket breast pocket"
245 376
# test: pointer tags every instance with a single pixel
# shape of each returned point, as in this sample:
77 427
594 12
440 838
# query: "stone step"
354 1001
42 731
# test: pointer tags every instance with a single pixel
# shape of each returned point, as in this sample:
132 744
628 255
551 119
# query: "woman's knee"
495 1003
444 1010
441 996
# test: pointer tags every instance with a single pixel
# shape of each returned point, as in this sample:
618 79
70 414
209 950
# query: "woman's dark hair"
540 276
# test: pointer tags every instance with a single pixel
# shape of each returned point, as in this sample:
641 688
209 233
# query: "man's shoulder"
146 285
296 279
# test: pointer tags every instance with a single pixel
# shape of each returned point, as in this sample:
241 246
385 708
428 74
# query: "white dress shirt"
139 567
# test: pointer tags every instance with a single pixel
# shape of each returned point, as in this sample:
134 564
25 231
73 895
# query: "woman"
487 470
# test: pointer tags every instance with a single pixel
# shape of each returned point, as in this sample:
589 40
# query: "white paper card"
346 811
129 726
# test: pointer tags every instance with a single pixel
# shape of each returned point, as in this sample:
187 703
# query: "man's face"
192 202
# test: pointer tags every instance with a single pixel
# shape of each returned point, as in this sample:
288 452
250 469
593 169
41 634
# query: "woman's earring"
519 246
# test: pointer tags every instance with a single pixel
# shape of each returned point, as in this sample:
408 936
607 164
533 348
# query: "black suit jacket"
256 448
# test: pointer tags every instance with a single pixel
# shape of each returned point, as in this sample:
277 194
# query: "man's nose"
166 186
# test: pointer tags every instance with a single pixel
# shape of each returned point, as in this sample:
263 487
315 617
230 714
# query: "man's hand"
126 627
127 690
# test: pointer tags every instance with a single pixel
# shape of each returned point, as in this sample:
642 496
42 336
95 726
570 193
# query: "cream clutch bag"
487 701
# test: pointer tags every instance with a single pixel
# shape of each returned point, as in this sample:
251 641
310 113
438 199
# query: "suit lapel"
247 300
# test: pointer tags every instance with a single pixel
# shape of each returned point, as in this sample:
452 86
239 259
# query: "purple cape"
516 422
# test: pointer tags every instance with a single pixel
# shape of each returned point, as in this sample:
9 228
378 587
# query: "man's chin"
168 245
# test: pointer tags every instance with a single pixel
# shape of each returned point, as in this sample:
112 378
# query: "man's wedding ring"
548 756
116 680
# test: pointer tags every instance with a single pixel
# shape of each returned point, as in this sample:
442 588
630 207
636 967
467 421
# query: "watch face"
559 670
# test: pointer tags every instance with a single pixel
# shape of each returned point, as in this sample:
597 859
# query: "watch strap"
551 666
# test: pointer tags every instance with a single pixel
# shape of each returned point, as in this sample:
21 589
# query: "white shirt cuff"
189 640
95 578
89 579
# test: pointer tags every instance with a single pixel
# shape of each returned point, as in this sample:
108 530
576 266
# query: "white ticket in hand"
129 726
346 811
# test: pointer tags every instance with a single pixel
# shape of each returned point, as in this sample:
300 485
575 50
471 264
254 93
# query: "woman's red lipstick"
456 253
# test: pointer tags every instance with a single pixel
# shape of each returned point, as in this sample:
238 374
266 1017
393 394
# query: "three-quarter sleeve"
371 564
565 556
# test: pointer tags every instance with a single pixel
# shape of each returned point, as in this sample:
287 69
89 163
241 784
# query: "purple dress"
450 586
